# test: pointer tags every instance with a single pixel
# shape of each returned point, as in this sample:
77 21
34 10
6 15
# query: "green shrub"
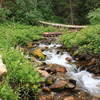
13 34
23 11
4 13
19 69
29 11
94 16
87 40
7 93
21 74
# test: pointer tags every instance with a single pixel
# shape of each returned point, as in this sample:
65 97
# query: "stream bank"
64 80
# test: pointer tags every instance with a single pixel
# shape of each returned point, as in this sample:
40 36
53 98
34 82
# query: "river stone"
92 62
69 98
69 59
71 83
46 97
59 84
46 89
56 68
3 69
44 73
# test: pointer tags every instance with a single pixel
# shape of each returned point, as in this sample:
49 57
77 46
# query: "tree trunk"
1 3
71 12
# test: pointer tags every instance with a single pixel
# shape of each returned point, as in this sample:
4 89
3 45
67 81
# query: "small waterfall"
85 80
60 59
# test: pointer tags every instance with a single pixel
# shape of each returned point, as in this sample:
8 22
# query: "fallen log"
62 25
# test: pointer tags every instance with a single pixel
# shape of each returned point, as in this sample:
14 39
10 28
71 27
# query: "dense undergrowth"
22 77
86 40
21 74
13 34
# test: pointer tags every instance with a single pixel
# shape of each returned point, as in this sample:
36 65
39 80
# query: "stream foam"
84 79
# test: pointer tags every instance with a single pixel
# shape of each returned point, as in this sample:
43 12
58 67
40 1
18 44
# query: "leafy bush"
6 92
4 13
28 11
19 69
13 34
94 16
23 11
22 77
87 40
21 74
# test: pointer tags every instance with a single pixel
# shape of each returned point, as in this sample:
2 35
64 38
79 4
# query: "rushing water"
84 79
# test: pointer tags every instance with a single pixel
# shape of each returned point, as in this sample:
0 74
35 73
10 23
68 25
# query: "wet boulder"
46 89
69 59
71 83
92 62
54 68
44 73
60 69
61 84
58 85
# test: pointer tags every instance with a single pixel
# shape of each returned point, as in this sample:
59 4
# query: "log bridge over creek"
71 28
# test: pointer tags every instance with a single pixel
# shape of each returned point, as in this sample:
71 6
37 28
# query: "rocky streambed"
64 80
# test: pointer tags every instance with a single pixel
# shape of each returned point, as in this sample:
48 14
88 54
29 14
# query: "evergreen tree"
60 11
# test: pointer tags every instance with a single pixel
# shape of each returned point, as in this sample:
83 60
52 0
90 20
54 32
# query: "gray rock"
3 69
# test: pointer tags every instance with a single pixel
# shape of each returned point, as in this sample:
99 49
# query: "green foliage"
94 16
4 13
6 92
24 11
29 11
80 9
13 34
21 74
87 40
19 69
22 77
45 7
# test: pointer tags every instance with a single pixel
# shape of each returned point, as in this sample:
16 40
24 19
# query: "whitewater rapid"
85 80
